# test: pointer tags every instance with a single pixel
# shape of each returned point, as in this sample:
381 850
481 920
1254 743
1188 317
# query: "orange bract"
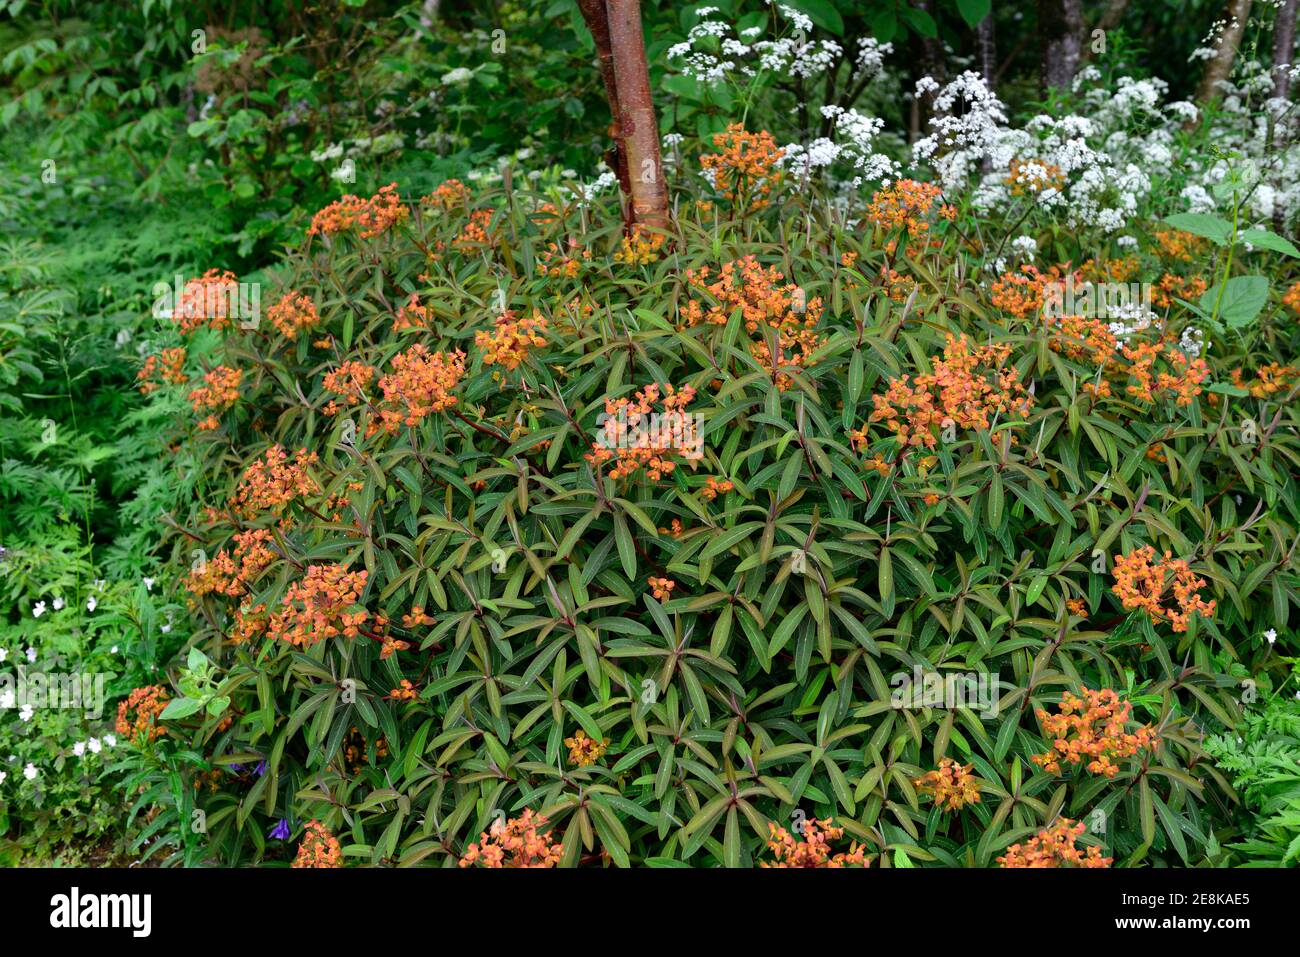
510 340
907 205
209 301
635 435
220 390
168 366
584 751
293 313
420 384
137 716
272 482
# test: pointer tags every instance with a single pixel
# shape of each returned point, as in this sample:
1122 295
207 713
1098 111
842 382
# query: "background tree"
616 27
1060 30
1219 66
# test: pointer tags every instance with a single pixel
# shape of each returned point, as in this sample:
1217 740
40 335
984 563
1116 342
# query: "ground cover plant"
888 462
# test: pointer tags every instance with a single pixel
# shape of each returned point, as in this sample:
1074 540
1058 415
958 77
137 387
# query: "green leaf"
1217 230
1238 301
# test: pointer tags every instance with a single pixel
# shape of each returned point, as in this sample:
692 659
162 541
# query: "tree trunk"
1283 49
593 11
1060 31
932 61
1108 21
988 50
635 119
1219 66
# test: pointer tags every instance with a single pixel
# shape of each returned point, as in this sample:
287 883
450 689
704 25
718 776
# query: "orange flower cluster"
1175 244
1110 270
1093 728
137 716
554 262
319 848
635 436
319 607
220 390
420 383
764 299
272 482
745 170
661 588
448 195
1183 382
1269 380
1022 294
168 367
1171 288
1055 847
584 751
1081 337
1140 584
411 315
511 339
952 785
907 205
713 488
898 286
1291 299
475 232
293 313
815 848
516 843
369 217
207 301
231 573
966 388
639 249
404 692
350 381
1031 177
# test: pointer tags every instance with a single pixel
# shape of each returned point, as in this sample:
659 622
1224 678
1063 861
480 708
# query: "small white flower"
25 713
165 629
3 655
79 748
91 603
6 700
113 650
58 604
94 745
3 775
523 153
148 584
1270 636
110 740
457 77
30 772
38 609
31 655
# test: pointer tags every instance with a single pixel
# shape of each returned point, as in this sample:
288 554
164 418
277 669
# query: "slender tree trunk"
1219 67
932 62
988 50
593 11
1060 31
636 120
1283 49
1109 20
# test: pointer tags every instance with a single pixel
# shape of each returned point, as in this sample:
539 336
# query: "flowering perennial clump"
167 366
293 313
211 300
1092 727
272 482
517 842
1141 584
220 390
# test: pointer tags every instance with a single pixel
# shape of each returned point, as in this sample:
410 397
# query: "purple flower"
281 831
237 768
261 767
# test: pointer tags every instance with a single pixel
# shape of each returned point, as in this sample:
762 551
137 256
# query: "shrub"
697 554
